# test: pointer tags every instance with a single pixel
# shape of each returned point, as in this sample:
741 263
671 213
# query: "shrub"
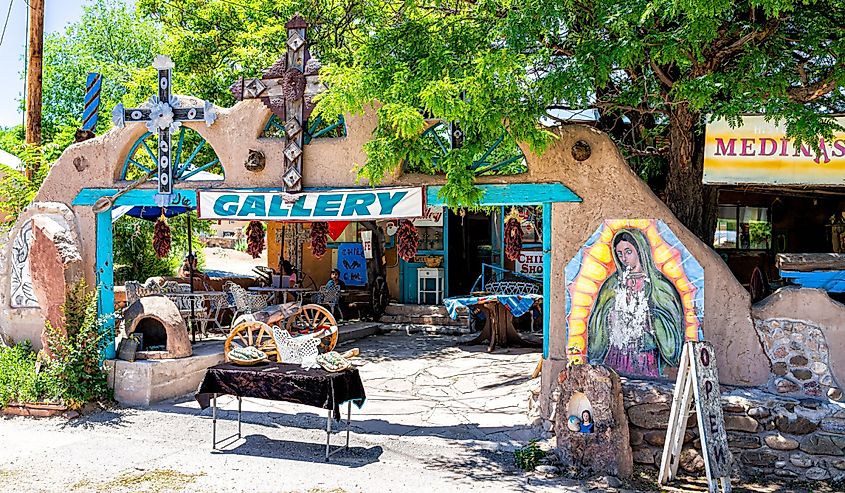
73 375
20 380
76 362
528 457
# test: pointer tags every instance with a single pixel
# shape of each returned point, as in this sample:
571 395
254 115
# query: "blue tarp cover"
832 281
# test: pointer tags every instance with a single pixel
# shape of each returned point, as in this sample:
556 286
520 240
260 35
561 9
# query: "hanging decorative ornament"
255 238
319 231
513 235
408 240
161 237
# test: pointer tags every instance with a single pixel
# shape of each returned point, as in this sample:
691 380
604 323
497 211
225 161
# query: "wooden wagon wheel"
314 318
252 333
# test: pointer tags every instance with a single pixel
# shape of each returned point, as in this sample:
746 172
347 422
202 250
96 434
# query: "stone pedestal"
607 449
142 383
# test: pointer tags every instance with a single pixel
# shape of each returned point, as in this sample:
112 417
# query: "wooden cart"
309 319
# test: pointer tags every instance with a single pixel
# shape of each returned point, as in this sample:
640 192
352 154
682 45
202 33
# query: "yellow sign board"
758 152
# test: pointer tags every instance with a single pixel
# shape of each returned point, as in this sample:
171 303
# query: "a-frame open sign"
698 380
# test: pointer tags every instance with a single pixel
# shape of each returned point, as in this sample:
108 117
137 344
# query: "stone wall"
768 434
803 332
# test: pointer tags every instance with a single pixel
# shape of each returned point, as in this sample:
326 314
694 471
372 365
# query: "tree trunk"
692 202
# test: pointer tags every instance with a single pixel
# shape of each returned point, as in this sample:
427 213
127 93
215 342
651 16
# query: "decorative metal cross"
288 89
164 114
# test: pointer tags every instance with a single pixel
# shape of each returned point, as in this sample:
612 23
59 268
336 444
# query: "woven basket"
247 362
433 261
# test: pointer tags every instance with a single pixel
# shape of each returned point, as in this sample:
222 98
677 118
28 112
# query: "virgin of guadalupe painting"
637 324
635 296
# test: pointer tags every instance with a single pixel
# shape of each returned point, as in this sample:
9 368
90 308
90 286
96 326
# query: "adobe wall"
609 189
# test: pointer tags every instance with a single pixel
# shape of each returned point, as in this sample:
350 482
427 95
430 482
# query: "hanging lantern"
255 239
408 240
318 238
513 236
161 237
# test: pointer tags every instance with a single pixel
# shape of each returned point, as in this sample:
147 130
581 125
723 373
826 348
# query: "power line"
6 24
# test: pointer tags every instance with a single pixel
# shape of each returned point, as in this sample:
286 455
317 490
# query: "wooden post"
105 281
33 77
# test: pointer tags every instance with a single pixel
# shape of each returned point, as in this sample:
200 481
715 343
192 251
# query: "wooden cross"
164 114
288 89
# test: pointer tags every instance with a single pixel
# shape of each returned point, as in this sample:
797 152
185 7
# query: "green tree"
134 257
654 69
17 190
110 38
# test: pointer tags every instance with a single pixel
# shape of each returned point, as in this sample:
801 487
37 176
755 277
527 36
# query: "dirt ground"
220 262
439 416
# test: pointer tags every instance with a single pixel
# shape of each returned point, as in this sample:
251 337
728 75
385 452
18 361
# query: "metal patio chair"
244 301
328 296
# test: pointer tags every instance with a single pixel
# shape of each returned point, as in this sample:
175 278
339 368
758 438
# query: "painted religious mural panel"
21 292
634 295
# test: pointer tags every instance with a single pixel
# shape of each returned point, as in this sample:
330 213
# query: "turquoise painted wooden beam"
514 194
547 276
105 283
145 196
494 195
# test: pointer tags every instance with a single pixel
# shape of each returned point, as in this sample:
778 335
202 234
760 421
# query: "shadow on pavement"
261 446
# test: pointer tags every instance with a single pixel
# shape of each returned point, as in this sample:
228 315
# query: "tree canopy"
655 70
110 38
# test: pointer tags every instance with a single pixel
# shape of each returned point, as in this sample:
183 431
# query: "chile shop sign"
530 263
334 205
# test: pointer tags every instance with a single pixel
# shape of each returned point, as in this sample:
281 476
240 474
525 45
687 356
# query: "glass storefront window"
743 228
431 237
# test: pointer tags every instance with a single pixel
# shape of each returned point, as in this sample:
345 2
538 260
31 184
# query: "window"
743 228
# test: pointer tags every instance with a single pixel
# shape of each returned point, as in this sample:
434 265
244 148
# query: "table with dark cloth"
283 382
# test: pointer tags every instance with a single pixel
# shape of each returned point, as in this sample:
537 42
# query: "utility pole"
34 74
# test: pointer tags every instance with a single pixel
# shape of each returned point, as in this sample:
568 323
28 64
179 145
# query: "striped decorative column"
92 101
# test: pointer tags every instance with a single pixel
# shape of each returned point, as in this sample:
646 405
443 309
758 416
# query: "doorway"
469 247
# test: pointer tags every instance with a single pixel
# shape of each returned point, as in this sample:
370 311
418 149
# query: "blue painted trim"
191 158
149 151
131 155
197 170
513 194
179 145
832 281
143 168
105 282
494 195
445 252
492 148
547 275
488 167
143 196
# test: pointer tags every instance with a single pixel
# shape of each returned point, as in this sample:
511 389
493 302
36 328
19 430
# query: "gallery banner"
334 205
758 152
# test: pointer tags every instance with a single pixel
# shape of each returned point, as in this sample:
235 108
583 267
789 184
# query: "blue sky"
57 14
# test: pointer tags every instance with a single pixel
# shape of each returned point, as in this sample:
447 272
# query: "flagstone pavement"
439 416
